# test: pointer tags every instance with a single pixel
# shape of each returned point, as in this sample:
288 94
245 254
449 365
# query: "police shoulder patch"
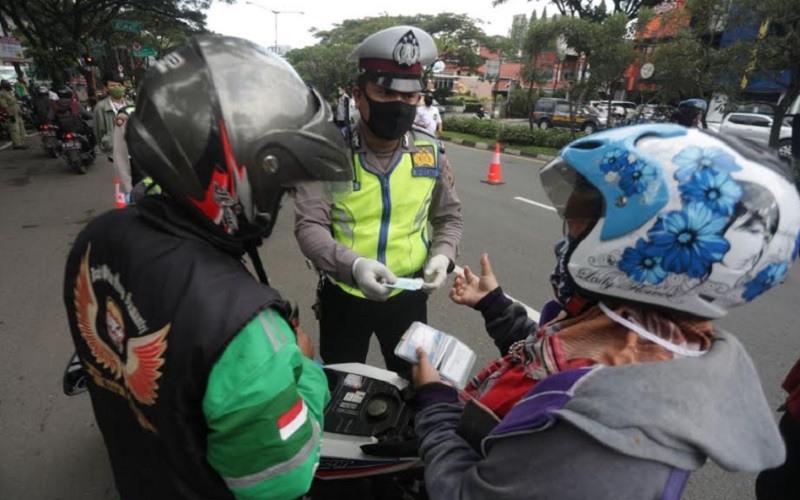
424 162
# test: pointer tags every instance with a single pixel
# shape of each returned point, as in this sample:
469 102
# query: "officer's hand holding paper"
451 357
372 278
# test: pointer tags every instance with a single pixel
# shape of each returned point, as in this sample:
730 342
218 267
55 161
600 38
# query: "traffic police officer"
128 174
379 231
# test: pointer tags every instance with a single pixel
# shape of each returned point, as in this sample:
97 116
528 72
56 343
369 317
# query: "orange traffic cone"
495 176
119 195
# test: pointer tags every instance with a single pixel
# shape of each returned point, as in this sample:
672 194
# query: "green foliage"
595 11
691 65
458 36
324 67
510 134
518 33
56 34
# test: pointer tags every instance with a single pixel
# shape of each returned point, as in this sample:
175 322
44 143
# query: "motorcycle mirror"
74 380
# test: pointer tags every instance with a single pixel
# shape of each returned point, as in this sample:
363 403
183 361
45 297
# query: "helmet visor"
570 193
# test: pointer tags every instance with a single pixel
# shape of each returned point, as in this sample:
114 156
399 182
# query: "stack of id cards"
446 353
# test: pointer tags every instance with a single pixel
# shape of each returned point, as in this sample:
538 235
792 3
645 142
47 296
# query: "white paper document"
446 353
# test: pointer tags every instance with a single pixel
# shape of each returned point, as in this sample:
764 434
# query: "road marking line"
532 313
540 205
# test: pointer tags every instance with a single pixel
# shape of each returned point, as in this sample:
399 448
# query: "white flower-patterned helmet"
690 221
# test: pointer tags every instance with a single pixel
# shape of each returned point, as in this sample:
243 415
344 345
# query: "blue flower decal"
716 190
614 160
766 279
638 178
796 251
689 241
692 159
643 263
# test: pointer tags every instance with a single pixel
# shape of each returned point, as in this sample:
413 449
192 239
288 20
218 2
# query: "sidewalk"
490 147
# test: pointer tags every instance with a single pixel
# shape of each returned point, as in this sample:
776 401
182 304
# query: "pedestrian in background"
21 89
343 109
16 126
428 117
379 232
105 113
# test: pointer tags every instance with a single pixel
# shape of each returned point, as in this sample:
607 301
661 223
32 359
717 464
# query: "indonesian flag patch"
293 419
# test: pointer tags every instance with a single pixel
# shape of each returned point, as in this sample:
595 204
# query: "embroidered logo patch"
406 52
424 162
424 158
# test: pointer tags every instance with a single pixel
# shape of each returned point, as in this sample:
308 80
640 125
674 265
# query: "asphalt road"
51 448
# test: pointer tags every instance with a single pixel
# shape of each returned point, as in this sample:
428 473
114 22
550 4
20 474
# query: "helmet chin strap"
252 251
639 330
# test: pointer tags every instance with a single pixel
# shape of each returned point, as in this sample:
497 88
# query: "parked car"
756 127
650 113
552 112
620 109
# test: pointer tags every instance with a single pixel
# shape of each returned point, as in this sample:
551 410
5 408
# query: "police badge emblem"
406 52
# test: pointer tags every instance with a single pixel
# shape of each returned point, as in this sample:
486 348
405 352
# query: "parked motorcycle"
369 449
77 151
50 142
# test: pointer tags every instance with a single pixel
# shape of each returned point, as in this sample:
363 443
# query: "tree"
458 37
56 34
518 32
774 51
324 66
604 49
540 37
693 64
587 9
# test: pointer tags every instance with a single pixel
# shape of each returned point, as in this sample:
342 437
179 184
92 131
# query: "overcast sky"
258 24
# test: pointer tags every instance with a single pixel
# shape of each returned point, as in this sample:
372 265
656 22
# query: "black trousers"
783 482
347 322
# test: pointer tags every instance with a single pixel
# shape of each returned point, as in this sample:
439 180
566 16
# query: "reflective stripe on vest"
386 217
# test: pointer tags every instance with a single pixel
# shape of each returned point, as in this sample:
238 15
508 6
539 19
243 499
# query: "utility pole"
276 13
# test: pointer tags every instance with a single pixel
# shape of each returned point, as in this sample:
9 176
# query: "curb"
486 146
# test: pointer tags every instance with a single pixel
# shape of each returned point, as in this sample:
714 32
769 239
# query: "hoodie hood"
683 411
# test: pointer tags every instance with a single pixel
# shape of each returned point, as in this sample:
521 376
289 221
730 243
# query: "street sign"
97 49
119 68
492 70
647 70
144 51
11 49
125 25
136 46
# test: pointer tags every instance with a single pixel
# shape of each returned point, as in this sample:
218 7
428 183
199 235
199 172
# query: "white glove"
435 272
370 275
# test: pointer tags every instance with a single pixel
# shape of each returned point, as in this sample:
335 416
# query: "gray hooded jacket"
623 432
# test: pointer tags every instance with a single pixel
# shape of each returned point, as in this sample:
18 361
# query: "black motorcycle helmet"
226 128
64 93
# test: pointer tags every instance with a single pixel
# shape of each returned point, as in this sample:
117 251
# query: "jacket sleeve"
312 228
560 462
506 321
122 162
264 406
445 213
97 122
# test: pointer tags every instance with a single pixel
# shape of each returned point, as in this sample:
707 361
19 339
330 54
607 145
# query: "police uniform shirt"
313 216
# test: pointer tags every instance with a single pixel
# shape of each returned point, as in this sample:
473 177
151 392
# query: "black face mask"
390 120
